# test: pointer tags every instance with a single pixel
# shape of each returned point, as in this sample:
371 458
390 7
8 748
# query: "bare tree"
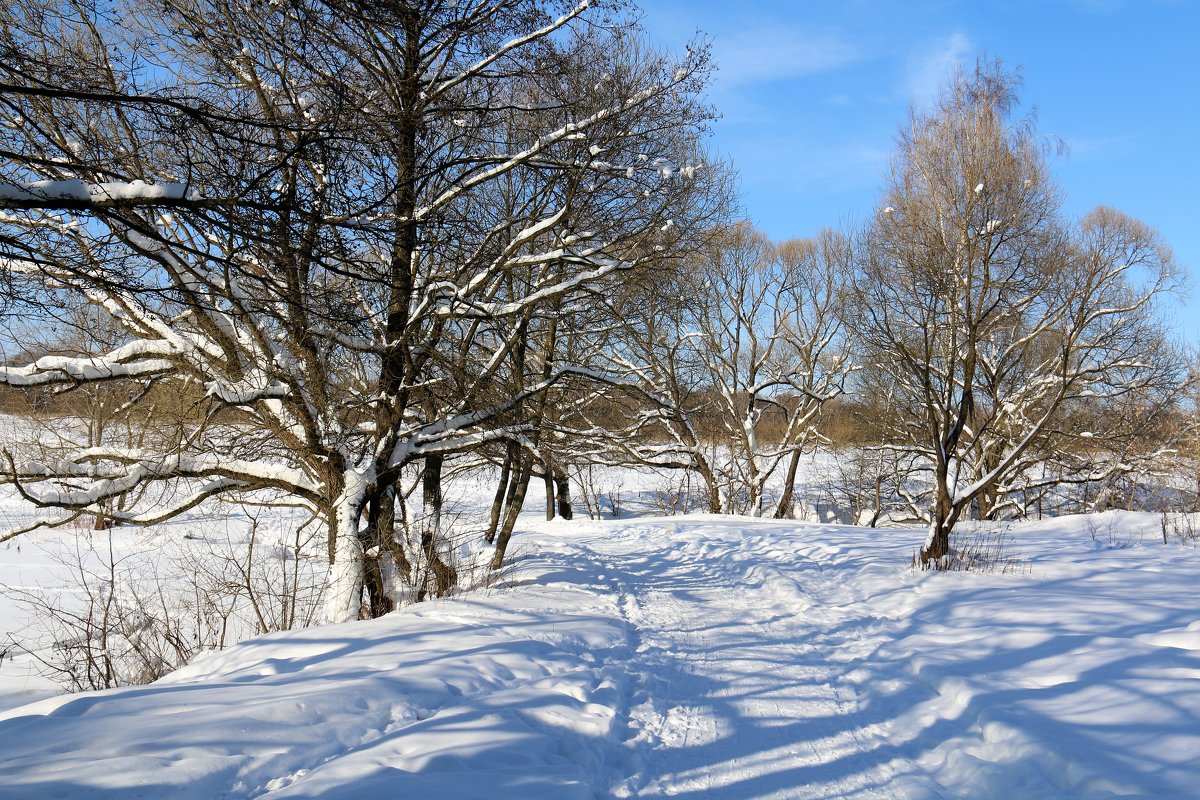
339 220
732 361
986 313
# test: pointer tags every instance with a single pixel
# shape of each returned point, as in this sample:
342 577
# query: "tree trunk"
548 480
563 494
516 498
785 507
936 552
378 541
378 600
431 490
441 576
400 286
710 484
343 593
878 501
383 512
511 454
516 490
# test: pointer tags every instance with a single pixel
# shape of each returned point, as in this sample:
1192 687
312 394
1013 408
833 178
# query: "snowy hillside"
686 656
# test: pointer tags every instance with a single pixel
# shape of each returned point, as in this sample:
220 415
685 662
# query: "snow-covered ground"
687 656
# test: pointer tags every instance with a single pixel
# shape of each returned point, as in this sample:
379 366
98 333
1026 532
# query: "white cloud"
789 164
1087 148
930 68
778 52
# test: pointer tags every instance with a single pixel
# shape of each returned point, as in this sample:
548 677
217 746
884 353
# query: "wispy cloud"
1088 148
786 164
778 52
929 68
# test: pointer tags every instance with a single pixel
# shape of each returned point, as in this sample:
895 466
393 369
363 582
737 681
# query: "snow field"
188 573
687 656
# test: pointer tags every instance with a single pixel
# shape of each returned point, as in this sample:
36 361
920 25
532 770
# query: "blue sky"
812 93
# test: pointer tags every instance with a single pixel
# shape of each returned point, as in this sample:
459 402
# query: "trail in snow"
736 695
690 657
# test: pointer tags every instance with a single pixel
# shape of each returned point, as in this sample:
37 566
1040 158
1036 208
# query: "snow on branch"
558 288
509 46
134 360
567 131
79 194
110 471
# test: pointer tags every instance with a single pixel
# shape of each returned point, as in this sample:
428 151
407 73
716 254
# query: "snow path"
735 695
686 657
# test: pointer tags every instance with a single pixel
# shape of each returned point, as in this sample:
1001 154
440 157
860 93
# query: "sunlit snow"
694 655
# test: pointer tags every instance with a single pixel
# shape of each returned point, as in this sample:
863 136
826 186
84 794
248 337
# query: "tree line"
303 248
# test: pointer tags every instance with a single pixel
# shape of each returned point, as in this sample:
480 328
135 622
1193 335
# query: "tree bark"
786 500
548 480
440 576
347 574
563 494
936 552
710 484
383 510
511 454
516 498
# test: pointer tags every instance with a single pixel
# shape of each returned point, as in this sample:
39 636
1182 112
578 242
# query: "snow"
37 193
130 360
693 655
